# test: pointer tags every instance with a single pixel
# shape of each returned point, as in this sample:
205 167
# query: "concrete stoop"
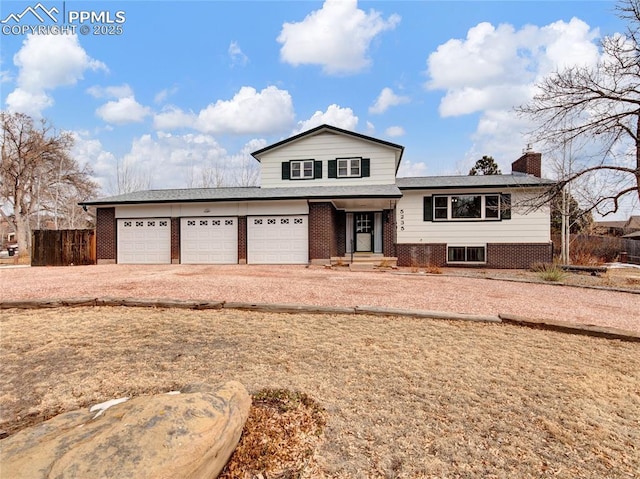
361 267
377 260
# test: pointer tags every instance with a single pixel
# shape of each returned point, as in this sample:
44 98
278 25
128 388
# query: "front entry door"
364 231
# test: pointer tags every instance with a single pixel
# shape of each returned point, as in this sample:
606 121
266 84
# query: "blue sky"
178 87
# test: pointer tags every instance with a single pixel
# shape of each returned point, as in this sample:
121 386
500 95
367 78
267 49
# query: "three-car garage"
273 239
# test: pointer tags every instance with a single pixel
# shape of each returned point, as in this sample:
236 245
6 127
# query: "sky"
170 90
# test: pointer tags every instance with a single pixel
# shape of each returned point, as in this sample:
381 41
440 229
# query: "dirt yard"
403 397
456 291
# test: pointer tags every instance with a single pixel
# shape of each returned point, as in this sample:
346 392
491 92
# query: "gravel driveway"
320 286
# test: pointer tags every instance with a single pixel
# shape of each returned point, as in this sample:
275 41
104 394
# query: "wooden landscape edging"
425 314
548 324
572 328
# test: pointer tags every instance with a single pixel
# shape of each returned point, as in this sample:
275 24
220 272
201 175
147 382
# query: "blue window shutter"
317 169
505 199
332 169
428 208
286 170
365 163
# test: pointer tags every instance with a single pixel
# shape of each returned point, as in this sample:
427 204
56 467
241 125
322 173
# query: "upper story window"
488 207
301 170
349 168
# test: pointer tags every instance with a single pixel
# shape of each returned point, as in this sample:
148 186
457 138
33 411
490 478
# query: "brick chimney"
529 163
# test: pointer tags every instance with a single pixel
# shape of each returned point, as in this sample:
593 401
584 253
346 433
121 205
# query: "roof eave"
335 129
225 200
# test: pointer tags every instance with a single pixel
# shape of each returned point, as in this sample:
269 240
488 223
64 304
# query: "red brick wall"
106 235
322 239
389 233
339 233
242 239
518 255
499 255
434 254
530 163
175 240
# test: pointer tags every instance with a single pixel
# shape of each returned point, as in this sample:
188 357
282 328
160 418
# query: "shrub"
549 271
433 269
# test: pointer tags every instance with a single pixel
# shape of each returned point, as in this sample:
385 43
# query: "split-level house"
332 195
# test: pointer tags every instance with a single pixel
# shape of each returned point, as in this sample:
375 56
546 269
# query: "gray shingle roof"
196 195
478 181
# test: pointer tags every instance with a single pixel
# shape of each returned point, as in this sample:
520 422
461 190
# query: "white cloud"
494 69
46 62
238 58
122 111
89 151
179 161
335 116
409 169
249 112
394 131
162 95
385 100
501 64
173 118
119 91
337 37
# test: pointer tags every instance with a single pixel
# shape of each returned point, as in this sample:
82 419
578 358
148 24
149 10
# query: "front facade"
330 195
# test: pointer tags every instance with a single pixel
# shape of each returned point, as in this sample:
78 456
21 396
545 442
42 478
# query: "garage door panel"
209 240
277 240
144 241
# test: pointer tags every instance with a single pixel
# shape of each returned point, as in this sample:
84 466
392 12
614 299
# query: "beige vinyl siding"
523 227
231 208
324 147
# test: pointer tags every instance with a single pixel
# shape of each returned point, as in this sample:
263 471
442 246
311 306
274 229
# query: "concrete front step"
361 266
375 260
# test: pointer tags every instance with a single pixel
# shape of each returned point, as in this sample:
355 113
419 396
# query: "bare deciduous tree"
599 106
38 176
128 179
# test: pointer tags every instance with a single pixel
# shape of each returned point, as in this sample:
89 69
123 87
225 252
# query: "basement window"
466 254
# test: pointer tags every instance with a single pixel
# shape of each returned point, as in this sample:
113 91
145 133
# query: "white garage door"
209 240
277 240
144 241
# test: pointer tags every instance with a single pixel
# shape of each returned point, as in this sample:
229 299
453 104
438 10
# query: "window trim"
349 167
364 167
503 208
466 248
302 169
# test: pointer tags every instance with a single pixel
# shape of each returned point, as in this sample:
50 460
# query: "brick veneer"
339 248
175 240
499 255
242 239
420 254
389 233
518 255
322 240
106 235
530 163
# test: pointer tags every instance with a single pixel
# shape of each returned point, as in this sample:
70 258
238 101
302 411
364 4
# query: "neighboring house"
617 228
331 195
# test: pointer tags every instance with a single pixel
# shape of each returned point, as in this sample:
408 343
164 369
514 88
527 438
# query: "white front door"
209 240
144 241
364 231
278 239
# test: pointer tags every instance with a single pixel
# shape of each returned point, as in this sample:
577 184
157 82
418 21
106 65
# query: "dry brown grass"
403 397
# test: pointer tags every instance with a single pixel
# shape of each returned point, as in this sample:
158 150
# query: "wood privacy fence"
63 247
632 248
